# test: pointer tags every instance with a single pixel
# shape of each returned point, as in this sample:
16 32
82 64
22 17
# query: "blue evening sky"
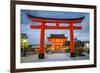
34 34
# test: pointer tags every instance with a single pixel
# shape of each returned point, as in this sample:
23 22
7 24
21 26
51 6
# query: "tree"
79 44
79 48
24 43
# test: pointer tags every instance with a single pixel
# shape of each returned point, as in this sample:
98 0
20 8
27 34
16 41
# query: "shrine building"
57 42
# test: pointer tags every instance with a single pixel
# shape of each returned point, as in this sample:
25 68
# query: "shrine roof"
57 36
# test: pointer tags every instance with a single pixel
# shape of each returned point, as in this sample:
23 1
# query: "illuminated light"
57 44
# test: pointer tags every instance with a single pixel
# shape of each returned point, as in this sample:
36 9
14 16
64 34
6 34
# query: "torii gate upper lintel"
42 26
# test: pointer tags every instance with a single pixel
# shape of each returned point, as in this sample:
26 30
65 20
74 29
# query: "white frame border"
52 64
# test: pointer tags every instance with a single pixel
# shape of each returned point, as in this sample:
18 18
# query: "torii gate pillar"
72 48
42 50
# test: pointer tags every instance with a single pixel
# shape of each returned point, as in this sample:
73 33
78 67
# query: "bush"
79 51
86 50
67 50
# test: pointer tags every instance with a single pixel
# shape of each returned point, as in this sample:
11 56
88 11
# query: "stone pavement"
52 57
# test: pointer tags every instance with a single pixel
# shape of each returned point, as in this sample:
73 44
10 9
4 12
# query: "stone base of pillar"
73 54
41 56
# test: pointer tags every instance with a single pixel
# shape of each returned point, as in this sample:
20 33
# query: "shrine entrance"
42 27
57 42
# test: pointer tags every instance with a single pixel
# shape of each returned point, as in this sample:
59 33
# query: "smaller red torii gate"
42 26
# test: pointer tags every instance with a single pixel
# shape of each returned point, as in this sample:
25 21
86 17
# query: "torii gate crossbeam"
42 26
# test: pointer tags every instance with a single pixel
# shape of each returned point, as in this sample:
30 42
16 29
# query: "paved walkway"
52 57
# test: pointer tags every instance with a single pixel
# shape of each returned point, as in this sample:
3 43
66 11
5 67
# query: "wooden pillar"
72 48
57 23
42 48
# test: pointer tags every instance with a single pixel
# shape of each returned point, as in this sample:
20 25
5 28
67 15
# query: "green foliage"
23 35
79 51
68 50
86 50
79 44
24 41
79 48
24 46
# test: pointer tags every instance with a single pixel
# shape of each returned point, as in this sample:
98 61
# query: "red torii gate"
42 26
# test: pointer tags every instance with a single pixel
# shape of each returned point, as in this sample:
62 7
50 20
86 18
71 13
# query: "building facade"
57 42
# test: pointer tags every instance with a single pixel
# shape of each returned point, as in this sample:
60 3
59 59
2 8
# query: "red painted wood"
55 27
43 27
72 49
42 35
57 24
71 27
